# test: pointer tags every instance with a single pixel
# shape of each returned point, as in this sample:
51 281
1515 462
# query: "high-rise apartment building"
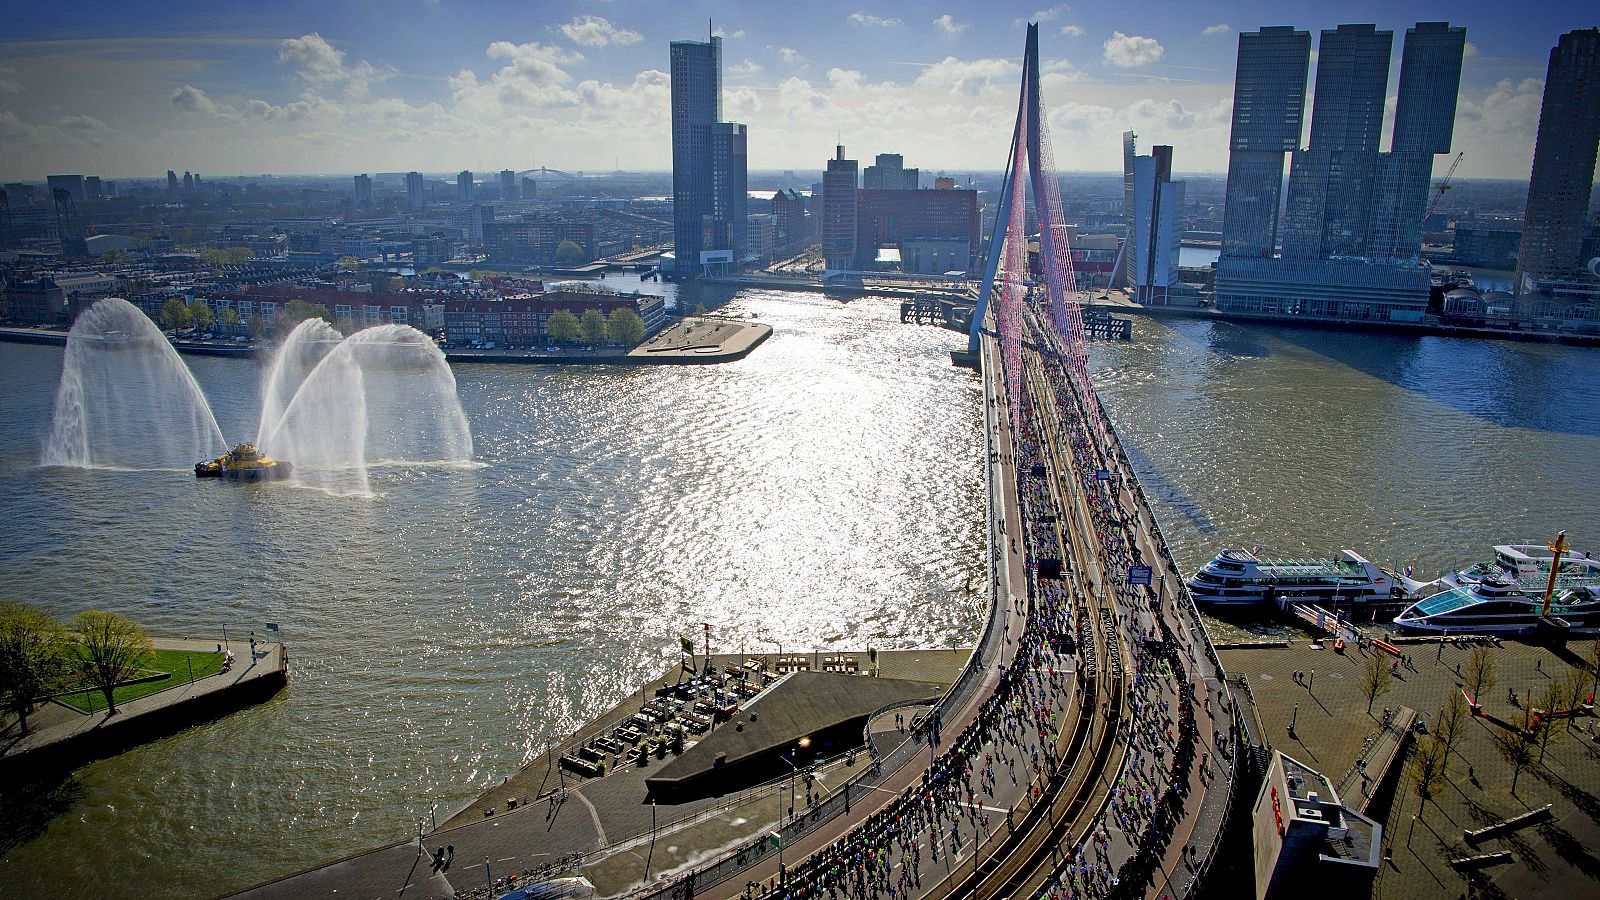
1124 274
172 182
1563 162
1269 89
890 174
464 187
709 163
1424 123
1157 226
72 184
1330 182
363 188
839 212
508 185
416 190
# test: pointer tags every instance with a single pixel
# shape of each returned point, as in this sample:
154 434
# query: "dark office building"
839 187
709 174
939 225
1269 89
1563 162
890 174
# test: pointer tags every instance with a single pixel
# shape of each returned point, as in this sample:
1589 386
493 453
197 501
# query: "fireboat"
243 463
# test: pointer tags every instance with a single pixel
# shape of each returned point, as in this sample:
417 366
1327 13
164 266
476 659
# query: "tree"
297 311
1426 768
1452 718
563 326
1514 749
699 309
349 263
32 657
1594 666
625 327
593 323
228 319
1479 673
111 650
345 326
397 284
1375 679
200 312
258 326
570 253
175 314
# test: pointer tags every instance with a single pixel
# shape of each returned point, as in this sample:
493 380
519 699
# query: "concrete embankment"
82 738
696 340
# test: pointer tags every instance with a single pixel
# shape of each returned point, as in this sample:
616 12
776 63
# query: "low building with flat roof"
1307 842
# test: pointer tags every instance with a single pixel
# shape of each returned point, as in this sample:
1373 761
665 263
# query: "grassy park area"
175 663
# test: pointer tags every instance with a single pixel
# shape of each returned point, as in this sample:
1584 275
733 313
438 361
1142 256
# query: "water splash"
333 407
383 394
126 400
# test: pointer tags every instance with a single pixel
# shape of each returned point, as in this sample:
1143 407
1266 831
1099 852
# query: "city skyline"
439 87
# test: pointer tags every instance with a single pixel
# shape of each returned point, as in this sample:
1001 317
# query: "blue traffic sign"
1139 575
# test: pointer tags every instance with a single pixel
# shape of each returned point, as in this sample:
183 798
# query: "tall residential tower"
1269 89
1563 162
709 170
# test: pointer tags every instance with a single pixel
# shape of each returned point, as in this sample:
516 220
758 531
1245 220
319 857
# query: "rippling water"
823 491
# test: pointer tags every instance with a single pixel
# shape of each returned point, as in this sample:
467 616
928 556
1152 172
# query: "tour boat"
1502 605
1528 565
1240 578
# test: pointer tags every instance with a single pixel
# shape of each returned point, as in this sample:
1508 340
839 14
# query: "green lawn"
174 662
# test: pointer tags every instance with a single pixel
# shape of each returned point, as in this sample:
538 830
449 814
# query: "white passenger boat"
1240 578
1501 605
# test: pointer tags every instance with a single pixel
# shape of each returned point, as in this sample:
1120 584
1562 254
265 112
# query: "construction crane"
1444 185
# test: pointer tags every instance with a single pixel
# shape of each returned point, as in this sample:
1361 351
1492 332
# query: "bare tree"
1479 673
1594 666
1514 749
1426 767
111 649
1452 718
1375 679
32 657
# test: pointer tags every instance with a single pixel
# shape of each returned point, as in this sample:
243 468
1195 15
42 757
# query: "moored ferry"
1237 577
1529 566
1500 605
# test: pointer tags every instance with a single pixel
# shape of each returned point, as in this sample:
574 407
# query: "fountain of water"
126 400
330 406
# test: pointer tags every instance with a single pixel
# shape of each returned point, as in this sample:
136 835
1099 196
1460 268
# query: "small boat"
244 463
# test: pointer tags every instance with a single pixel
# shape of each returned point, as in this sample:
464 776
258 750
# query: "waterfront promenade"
62 736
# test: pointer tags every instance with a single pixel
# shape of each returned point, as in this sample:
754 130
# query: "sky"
134 88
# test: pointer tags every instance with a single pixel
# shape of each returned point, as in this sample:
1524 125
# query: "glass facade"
708 159
1268 101
1563 161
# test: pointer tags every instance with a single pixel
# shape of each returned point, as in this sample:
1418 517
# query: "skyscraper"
172 182
890 174
839 212
1158 207
1424 122
363 188
1330 183
415 190
709 162
508 185
1269 89
464 186
1563 161
1124 274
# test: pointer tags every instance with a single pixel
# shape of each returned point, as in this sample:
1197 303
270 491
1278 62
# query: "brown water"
822 492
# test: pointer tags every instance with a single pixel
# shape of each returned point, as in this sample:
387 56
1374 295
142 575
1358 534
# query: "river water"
823 492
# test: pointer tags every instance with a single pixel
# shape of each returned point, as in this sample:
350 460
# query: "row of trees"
40 656
623 327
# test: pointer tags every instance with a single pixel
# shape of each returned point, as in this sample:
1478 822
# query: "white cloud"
1048 14
8 82
948 25
1470 50
1219 28
790 56
191 99
722 32
593 31
1128 50
871 21
740 103
1073 30
748 67
321 65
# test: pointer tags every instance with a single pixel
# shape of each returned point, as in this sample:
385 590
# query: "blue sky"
135 88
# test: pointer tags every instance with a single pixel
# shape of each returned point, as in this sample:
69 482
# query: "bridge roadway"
1018 830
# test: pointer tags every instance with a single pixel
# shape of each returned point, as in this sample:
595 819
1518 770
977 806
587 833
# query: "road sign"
1139 575
1102 475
